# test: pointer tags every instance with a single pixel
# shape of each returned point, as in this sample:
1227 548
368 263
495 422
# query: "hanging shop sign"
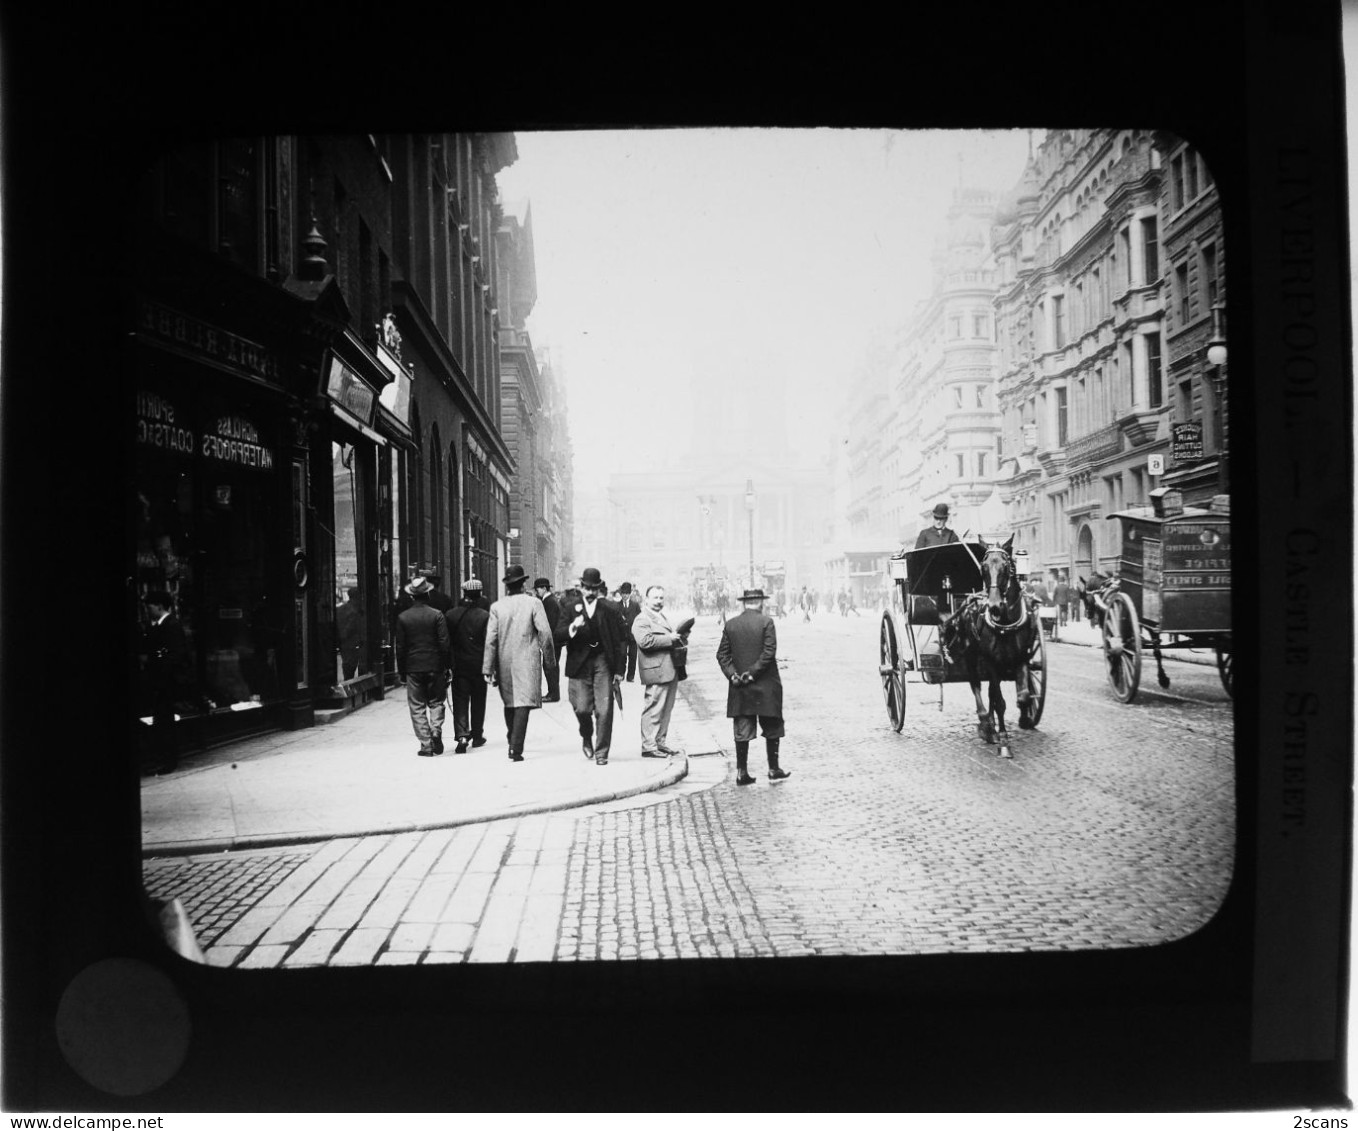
348 390
180 332
235 440
158 425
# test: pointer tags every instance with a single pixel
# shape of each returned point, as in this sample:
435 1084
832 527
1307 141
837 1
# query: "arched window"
415 493
434 512
452 580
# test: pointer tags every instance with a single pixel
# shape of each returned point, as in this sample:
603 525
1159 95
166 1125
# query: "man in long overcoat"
168 665
748 655
516 634
596 661
551 654
630 604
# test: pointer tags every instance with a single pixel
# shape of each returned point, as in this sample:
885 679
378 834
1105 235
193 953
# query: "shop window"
350 618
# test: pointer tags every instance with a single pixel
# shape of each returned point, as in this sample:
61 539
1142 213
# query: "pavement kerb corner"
280 840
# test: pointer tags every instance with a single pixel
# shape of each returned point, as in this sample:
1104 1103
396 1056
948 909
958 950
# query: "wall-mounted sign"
1185 442
236 440
395 397
211 343
1155 464
348 390
158 427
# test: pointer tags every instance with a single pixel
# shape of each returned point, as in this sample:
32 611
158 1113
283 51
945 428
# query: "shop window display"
206 533
352 651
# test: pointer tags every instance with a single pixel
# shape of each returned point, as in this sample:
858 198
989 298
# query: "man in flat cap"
940 534
467 628
748 656
596 660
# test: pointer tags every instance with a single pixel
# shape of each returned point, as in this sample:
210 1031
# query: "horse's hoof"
1163 680
1005 752
986 734
1025 723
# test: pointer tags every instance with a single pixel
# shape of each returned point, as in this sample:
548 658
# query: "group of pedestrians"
518 641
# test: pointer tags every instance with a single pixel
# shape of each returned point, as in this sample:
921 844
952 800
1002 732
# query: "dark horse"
993 635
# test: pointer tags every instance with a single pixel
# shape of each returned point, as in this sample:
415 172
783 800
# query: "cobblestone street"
1112 826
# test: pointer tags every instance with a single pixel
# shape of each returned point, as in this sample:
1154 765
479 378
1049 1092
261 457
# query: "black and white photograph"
846 581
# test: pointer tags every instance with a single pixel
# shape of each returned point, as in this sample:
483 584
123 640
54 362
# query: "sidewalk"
361 775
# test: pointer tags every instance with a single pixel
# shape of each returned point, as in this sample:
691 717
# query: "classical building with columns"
725 502
1081 320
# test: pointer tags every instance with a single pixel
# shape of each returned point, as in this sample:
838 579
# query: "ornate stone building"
1080 318
1195 281
947 417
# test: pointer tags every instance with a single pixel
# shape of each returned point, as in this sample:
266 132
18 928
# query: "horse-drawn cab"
936 584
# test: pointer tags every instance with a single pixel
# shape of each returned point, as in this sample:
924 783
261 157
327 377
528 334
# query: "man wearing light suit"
656 642
591 628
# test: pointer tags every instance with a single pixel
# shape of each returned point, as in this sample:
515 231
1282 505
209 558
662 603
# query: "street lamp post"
1216 358
749 506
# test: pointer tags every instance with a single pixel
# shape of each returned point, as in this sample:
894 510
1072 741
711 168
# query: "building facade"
1082 319
1195 282
949 420
315 371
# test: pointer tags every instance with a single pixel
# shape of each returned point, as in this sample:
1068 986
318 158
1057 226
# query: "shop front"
354 586
210 520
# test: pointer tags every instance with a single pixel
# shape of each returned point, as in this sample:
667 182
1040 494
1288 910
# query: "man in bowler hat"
596 658
940 534
748 657
516 634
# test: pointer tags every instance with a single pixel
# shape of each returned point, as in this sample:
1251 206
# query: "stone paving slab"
361 776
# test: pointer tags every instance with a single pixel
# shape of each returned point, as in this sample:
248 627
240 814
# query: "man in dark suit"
596 656
551 655
940 534
631 608
467 631
167 675
748 656
423 659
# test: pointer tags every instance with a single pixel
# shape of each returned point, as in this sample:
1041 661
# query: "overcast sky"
669 259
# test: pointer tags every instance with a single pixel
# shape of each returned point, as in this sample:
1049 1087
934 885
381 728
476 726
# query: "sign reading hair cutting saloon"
236 440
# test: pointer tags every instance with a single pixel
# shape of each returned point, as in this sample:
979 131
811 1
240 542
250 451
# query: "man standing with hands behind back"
596 658
748 655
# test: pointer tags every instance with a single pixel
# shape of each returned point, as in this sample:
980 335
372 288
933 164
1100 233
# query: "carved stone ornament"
391 337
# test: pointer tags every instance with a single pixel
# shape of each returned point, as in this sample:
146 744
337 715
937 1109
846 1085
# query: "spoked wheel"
1122 647
889 667
1037 680
1225 668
